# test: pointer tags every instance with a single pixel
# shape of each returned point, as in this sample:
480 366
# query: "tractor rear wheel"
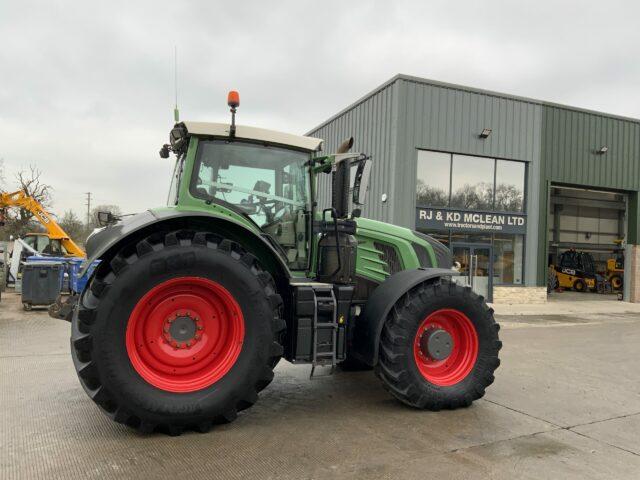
179 331
439 347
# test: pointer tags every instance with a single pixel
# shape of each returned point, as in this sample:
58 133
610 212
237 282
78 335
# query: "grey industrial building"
507 182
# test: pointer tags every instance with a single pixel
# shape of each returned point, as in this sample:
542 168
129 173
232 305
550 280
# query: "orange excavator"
55 241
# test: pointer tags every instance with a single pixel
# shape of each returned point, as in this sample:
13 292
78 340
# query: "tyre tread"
392 360
81 336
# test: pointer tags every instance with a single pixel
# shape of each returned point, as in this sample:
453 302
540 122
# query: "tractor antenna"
176 112
233 100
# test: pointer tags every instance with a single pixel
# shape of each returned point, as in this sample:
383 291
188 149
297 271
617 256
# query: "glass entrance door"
475 267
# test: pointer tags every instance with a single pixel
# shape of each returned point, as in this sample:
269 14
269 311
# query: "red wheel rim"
185 334
464 352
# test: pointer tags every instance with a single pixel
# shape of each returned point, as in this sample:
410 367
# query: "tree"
474 197
427 195
20 221
509 198
71 224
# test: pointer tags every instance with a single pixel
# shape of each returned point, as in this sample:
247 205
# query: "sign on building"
470 221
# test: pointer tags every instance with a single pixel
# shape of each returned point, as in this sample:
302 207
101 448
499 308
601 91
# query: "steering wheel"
268 210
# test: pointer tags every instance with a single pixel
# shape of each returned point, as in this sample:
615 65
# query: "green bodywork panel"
369 260
369 263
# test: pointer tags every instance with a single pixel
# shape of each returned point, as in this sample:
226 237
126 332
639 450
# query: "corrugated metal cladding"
449 118
559 143
370 123
571 140
406 114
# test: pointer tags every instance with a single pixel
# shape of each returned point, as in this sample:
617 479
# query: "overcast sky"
86 88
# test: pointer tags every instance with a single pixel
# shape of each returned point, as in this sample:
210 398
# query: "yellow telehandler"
55 241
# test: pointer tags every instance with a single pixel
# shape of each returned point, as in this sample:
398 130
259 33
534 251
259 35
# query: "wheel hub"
182 329
436 343
445 347
185 334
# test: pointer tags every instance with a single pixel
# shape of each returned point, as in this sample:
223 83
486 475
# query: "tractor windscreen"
268 184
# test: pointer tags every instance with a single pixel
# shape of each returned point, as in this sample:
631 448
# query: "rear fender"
368 326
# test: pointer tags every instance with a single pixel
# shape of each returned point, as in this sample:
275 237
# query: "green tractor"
193 305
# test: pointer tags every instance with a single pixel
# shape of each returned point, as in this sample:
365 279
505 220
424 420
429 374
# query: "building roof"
453 86
253 133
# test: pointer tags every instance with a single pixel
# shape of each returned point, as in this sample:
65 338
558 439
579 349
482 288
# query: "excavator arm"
20 199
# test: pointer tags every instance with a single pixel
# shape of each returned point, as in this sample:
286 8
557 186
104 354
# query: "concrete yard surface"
565 405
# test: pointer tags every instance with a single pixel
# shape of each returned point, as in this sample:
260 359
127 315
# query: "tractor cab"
266 184
267 180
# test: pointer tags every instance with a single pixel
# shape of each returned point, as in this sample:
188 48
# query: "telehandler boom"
20 199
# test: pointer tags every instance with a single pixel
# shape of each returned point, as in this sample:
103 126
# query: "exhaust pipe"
345 146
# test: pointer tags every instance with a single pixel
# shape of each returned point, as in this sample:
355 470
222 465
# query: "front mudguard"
368 326
103 239
103 243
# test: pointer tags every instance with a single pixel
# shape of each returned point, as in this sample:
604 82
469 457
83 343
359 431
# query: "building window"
510 178
461 237
508 255
452 182
434 172
470 183
443 236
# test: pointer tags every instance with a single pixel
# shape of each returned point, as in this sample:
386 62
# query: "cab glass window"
269 185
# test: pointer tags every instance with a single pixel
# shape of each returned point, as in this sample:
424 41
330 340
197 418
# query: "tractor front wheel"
439 347
179 331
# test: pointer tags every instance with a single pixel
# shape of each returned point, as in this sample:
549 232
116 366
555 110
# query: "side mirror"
361 182
106 218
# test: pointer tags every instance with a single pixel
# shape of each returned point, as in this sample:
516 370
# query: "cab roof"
252 133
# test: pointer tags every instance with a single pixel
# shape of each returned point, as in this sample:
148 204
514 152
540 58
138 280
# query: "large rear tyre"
439 347
179 331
